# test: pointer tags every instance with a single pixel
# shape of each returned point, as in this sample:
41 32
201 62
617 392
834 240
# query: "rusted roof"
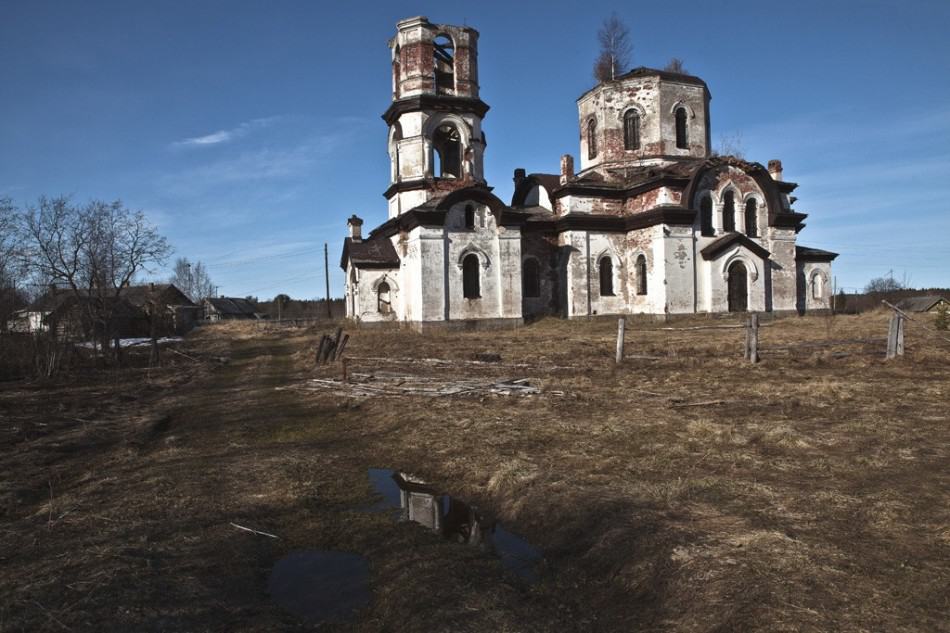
921 304
807 254
232 306
376 252
718 246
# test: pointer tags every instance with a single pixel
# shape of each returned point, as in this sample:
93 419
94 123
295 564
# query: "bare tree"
616 49
730 145
11 261
192 279
675 65
884 284
96 250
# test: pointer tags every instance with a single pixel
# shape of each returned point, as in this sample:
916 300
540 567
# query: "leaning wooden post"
899 345
892 336
621 326
754 338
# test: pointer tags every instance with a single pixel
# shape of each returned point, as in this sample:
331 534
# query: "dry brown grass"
813 498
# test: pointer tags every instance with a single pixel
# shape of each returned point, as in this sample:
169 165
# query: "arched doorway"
738 288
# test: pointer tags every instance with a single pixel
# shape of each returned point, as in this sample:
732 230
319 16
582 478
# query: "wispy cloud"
225 136
284 161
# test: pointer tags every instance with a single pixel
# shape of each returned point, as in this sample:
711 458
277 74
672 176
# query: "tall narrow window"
706 216
751 218
469 217
531 278
470 282
447 150
641 275
631 130
444 64
682 142
383 301
592 139
816 286
606 277
729 212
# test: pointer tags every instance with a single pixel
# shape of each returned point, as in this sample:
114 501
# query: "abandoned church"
651 223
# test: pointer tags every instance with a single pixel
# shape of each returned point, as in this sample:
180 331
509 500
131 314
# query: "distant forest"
291 308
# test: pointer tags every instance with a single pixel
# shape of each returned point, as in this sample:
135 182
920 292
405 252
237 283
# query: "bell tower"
436 143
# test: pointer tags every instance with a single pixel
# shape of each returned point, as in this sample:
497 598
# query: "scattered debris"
394 384
247 529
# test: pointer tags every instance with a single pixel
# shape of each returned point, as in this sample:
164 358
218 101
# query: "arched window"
816 286
447 152
469 216
706 216
397 72
631 130
641 275
470 282
443 52
606 277
531 278
729 211
383 300
592 139
751 218
682 142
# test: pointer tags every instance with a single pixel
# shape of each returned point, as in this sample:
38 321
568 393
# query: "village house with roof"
652 222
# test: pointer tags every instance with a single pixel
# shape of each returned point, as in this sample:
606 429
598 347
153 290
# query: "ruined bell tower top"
434 59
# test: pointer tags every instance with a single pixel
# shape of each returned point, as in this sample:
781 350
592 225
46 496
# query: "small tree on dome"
615 49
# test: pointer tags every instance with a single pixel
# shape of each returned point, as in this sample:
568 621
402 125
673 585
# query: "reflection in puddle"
452 518
319 585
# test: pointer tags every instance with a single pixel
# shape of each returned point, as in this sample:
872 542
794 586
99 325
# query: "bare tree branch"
616 49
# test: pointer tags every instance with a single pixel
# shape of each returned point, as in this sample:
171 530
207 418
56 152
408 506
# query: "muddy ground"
686 491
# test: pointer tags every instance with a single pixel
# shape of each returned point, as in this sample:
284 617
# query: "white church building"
651 223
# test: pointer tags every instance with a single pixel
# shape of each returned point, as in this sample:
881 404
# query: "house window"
751 218
729 212
606 277
816 289
469 217
592 139
443 52
470 281
641 275
447 148
631 130
681 141
531 278
383 301
706 216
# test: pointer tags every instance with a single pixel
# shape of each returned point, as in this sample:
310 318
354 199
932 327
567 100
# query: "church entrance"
738 288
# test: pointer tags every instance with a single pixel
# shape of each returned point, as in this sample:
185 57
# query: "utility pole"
326 270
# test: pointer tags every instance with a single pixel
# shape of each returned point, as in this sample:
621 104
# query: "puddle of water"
320 585
412 499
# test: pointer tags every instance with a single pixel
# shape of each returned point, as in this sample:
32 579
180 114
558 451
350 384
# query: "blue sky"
249 131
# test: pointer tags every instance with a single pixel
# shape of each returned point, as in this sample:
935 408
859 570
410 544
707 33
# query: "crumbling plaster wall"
543 249
655 100
808 274
413 60
441 253
363 300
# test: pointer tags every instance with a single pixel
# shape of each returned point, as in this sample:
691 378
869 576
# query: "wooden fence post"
746 352
621 326
754 338
895 336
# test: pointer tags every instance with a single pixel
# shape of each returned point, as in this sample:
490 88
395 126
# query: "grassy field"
684 491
